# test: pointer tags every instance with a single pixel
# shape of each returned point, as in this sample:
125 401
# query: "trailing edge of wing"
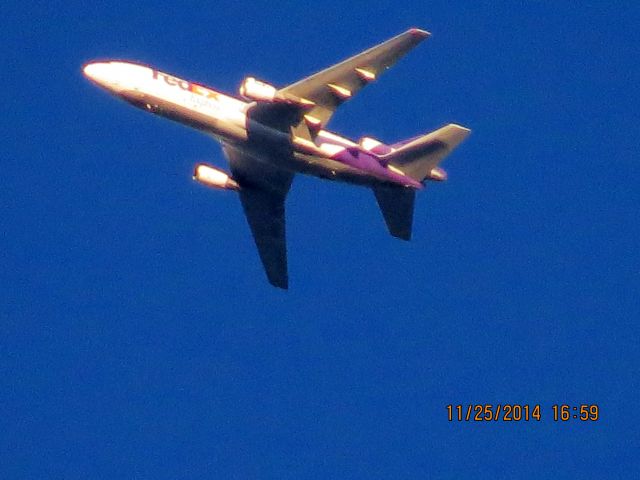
262 193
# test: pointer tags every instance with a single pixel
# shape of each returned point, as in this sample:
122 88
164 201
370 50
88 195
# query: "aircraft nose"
104 74
96 71
116 76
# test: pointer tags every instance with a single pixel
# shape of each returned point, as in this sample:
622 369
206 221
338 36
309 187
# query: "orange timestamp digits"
583 412
513 412
487 412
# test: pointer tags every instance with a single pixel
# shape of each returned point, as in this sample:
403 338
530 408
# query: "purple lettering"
184 85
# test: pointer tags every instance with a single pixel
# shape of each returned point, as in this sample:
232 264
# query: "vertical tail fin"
417 157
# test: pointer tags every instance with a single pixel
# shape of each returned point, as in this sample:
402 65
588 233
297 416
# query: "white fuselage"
170 96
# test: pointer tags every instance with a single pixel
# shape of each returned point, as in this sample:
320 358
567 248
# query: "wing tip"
404 236
282 283
418 32
460 128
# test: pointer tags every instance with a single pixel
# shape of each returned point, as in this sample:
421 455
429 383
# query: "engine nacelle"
260 91
437 174
212 177
257 90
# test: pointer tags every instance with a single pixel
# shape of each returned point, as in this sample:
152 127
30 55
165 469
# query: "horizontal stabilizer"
419 156
396 204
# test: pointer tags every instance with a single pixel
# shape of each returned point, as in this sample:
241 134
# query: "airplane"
273 133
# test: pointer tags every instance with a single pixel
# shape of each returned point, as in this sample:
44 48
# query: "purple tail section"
374 146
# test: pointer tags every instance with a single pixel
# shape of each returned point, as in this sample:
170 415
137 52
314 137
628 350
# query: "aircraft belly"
266 153
306 164
327 168
260 142
188 116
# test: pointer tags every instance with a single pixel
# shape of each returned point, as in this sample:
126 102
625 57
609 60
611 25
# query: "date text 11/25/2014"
511 412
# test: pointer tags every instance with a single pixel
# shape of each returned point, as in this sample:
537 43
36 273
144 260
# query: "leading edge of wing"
328 88
263 190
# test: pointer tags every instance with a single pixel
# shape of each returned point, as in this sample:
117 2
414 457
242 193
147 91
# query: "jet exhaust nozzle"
212 177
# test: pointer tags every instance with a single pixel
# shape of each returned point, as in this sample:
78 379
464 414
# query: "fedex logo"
184 85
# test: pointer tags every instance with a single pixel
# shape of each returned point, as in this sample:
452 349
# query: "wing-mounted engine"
212 177
256 90
259 91
278 109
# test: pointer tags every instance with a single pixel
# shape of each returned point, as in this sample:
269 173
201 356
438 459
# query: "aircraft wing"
329 88
263 189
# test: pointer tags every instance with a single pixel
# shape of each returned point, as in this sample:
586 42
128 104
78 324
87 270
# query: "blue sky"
140 339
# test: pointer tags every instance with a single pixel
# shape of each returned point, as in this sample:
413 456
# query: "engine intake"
257 90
